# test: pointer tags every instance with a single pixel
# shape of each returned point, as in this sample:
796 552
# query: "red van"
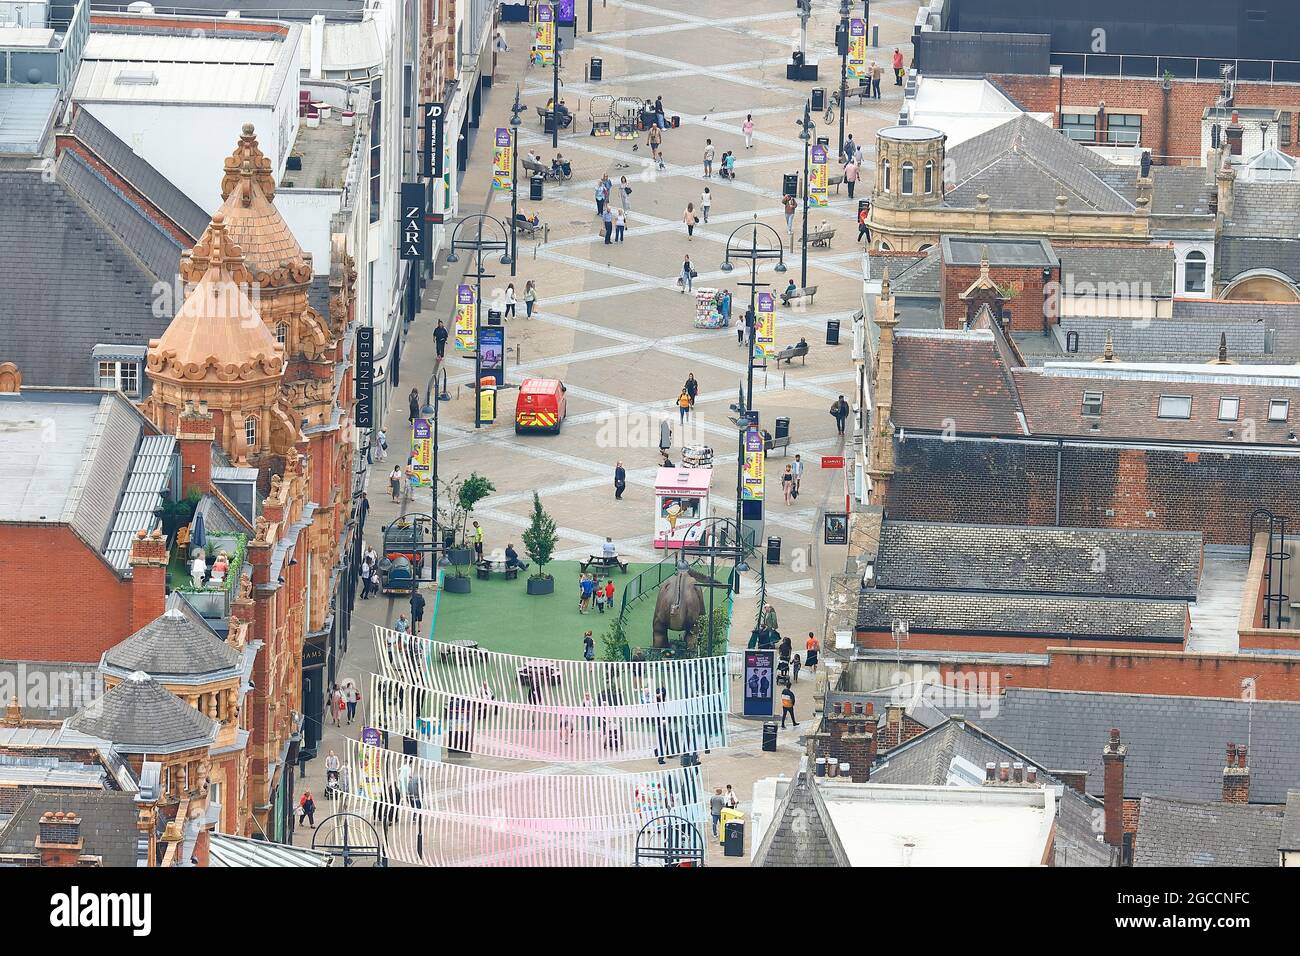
541 405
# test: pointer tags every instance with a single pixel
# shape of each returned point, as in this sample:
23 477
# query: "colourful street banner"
765 327
465 314
422 452
857 49
754 458
544 42
502 160
818 197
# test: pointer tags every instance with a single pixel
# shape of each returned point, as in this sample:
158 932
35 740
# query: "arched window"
929 176
1194 272
885 247
281 332
908 173
925 247
884 175
250 431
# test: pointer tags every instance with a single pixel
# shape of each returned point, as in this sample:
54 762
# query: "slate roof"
172 645
1166 340
942 376
1290 837
1264 209
139 715
1175 744
913 274
66 681
802 833
1238 254
942 556
1143 271
1191 833
933 759
1023 615
107 823
71 276
152 184
1181 191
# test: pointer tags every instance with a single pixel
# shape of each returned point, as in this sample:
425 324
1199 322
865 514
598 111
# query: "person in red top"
863 229
609 594
811 649
898 67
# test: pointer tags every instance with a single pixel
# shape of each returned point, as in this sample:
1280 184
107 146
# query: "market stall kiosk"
681 500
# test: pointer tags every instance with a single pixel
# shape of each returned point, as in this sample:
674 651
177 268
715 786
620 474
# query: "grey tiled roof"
67 682
1264 209
966 612
139 715
318 295
802 834
68 278
139 173
1175 744
1144 271
1081 561
107 823
172 645
909 275
1290 838
1238 254
1191 833
1160 339
1181 191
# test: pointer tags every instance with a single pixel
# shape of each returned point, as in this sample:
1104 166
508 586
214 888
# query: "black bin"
535 186
783 426
494 317
832 331
733 838
818 99
769 736
773 550
597 69
790 184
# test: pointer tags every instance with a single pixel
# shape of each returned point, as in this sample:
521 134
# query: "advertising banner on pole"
422 452
491 352
857 68
765 327
818 196
760 686
544 41
502 160
754 456
465 315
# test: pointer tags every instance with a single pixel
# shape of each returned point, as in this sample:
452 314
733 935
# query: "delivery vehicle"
541 405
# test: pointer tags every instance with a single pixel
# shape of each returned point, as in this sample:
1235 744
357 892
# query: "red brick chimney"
195 434
1113 788
59 839
1236 776
148 578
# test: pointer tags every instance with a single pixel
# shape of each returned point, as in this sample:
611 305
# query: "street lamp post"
555 93
806 133
754 253
514 180
479 245
431 406
845 10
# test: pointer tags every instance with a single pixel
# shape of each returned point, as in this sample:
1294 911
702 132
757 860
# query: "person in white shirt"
706 200
796 468
510 301
608 549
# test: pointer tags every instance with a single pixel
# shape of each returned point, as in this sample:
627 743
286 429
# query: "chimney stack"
1236 776
195 435
59 839
148 577
1113 788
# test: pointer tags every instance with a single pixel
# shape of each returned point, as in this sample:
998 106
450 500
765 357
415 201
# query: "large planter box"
461 557
541 585
455 585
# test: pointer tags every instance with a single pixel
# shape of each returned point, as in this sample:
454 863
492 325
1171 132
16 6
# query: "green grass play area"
501 616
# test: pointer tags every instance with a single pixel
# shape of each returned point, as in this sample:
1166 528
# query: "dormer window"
1092 403
1278 409
250 431
1229 409
1175 406
123 376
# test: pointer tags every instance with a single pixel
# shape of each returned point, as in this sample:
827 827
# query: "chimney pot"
1018 772
847 708
990 772
1241 757
871 708
832 768
1004 772
1031 774
1114 735
821 766
845 769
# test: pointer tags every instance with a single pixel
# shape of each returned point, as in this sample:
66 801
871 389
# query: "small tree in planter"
472 490
540 538
613 643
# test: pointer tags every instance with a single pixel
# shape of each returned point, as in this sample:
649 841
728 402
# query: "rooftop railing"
50 65
1135 66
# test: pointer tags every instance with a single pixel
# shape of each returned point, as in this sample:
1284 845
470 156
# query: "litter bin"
773 550
818 99
832 331
733 840
783 426
487 407
494 318
728 817
535 185
769 736
597 69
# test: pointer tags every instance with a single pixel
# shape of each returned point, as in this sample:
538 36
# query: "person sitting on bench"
565 116
512 558
534 221
791 289
608 550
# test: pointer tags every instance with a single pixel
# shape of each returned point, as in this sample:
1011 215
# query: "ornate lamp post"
807 131
479 245
754 253
514 179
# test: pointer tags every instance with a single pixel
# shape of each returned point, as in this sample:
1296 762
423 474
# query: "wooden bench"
486 569
799 295
821 238
791 352
535 168
604 562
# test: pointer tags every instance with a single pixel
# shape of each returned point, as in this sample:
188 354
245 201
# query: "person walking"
848 150
607 217
624 190
795 664
732 801
692 387
395 483
417 611
307 809
708 158
784 649
688 274
787 484
811 650
796 469
620 480
601 195
790 205
609 594
620 224
840 412
413 400
683 405
706 200
336 704
376 581
665 437
716 804
691 220
440 340
898 67
530 298
877 71
402 625
787 706
586 587
864 228
729 165
851 175
351 697
747 128
383 445
656 138
588 647
510 298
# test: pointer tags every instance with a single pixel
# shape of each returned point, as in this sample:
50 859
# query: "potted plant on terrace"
462 494
540 538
